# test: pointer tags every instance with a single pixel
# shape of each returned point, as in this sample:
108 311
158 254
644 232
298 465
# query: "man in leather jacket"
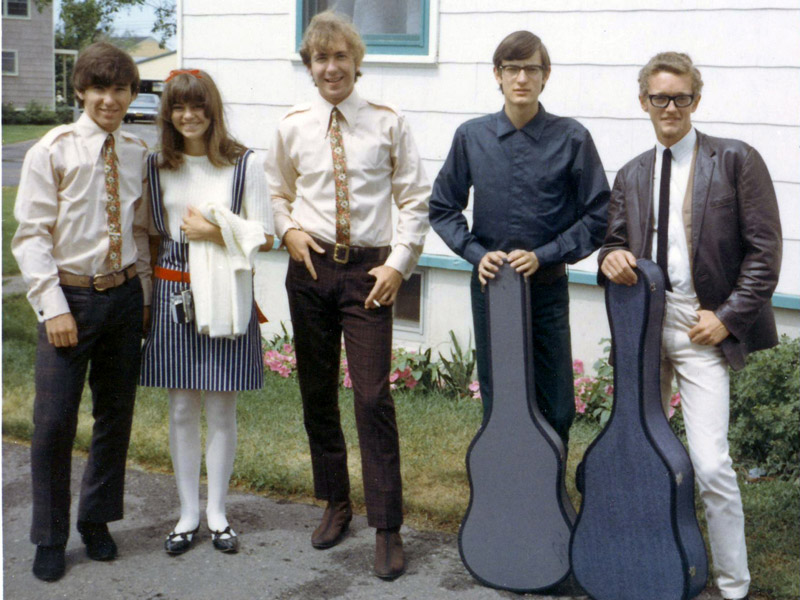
721 253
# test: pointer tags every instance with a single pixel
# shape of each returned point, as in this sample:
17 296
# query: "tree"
83 22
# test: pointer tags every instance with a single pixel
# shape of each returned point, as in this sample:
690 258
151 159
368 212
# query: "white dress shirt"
382 163
678 264
61 211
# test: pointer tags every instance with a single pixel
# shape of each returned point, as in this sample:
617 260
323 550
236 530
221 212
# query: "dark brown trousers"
321 311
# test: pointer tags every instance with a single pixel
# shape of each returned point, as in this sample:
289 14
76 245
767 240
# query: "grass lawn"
9 227
20 133
435 432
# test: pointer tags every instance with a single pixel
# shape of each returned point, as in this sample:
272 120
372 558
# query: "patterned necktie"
340 179
663 216
112 206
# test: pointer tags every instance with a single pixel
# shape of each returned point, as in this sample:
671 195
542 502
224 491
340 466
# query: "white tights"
184 444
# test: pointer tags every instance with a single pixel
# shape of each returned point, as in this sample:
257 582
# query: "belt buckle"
336 253
99 282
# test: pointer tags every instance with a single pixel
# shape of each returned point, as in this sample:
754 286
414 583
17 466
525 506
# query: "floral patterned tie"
112 206
340 179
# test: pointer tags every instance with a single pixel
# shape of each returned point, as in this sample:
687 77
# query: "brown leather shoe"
335 520
390 562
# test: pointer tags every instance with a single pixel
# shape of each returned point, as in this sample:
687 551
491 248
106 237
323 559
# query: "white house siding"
32 38
746 51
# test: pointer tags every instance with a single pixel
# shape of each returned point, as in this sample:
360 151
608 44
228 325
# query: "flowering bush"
282 362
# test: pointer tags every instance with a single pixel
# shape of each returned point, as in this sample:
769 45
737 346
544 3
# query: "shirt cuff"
547 255
474 253
51 304
401 259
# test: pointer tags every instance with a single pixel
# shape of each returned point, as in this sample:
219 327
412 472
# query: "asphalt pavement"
276 560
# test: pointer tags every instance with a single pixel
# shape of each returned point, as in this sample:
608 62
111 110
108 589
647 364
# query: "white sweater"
221 280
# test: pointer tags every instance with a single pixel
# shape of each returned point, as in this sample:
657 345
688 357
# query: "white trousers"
704 386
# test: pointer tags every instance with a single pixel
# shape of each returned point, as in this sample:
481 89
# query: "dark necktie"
663 216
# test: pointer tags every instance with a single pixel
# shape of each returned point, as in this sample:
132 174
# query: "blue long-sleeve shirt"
539 188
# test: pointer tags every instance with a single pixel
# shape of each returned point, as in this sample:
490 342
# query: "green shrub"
63 114
12 116
35 114
456 374
765 410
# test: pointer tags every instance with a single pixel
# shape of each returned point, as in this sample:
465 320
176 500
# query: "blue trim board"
454 263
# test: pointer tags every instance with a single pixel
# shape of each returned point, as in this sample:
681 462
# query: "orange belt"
183 277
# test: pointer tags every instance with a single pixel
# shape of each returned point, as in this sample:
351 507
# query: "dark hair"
520 45
677 63
105 65
195 88
323 31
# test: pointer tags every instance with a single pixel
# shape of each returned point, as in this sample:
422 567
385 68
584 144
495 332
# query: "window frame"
15 72
8 16
408 327
384 49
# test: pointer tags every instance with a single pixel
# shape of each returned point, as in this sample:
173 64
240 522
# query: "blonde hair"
324 29
677 63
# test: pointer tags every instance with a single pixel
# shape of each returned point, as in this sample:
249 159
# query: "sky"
138 21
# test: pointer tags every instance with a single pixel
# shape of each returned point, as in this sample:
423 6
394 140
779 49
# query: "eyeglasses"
513 71
662 100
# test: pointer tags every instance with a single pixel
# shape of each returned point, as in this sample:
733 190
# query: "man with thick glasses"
540 201
706 209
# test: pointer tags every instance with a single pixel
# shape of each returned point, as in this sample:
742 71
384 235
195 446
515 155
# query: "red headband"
176 72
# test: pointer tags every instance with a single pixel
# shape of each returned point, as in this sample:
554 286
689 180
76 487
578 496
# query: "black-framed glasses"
662 100
513 71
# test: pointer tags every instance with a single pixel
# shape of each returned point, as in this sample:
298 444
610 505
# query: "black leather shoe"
228 545
334 524
99 543
390 561
49 564
178 543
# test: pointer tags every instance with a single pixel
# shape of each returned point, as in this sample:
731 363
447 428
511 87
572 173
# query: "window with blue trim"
387 27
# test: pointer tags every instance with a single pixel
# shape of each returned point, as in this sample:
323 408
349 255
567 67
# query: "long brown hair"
197 88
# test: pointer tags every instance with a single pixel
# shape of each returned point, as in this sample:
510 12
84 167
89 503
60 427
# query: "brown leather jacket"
736 236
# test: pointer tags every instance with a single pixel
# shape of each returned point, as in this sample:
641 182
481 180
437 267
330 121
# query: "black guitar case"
637 535
515 534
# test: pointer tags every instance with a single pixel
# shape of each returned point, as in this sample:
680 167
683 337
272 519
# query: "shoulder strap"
155 194
238 182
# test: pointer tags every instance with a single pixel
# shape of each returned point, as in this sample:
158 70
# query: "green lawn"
435 432
20 133
9 227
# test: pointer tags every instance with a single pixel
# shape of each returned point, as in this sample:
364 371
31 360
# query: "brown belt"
99 282
342 254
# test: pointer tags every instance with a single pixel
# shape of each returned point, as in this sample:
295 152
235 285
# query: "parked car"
144 107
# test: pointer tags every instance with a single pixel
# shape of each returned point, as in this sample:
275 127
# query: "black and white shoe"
178 543
226 540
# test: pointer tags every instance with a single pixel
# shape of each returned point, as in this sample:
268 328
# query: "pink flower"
394 376
411 383
610 389
577 366
475 388
580 405
287 349
675 400
347 383
671 413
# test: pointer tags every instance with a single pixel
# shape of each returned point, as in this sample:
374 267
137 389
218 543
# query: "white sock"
220 452
184 445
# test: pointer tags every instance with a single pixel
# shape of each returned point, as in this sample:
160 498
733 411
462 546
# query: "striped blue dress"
174 354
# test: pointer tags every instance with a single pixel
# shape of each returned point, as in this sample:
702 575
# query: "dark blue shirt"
539 188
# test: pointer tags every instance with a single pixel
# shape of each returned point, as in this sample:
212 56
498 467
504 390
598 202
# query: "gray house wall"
32 38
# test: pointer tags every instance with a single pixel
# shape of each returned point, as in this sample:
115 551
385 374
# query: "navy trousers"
321 311
552 350
109 341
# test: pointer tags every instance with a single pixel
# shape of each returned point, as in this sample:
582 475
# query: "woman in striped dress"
199 163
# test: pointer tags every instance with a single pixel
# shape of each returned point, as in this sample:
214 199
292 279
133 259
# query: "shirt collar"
681 149
532 128
94 135
348 107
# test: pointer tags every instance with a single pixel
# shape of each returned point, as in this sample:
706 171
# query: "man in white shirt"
336 165
721 258
82 247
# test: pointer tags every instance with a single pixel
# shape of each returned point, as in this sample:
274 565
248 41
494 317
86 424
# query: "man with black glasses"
705 208
540 201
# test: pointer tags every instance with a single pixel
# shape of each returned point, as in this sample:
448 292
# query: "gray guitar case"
637 535
515 534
